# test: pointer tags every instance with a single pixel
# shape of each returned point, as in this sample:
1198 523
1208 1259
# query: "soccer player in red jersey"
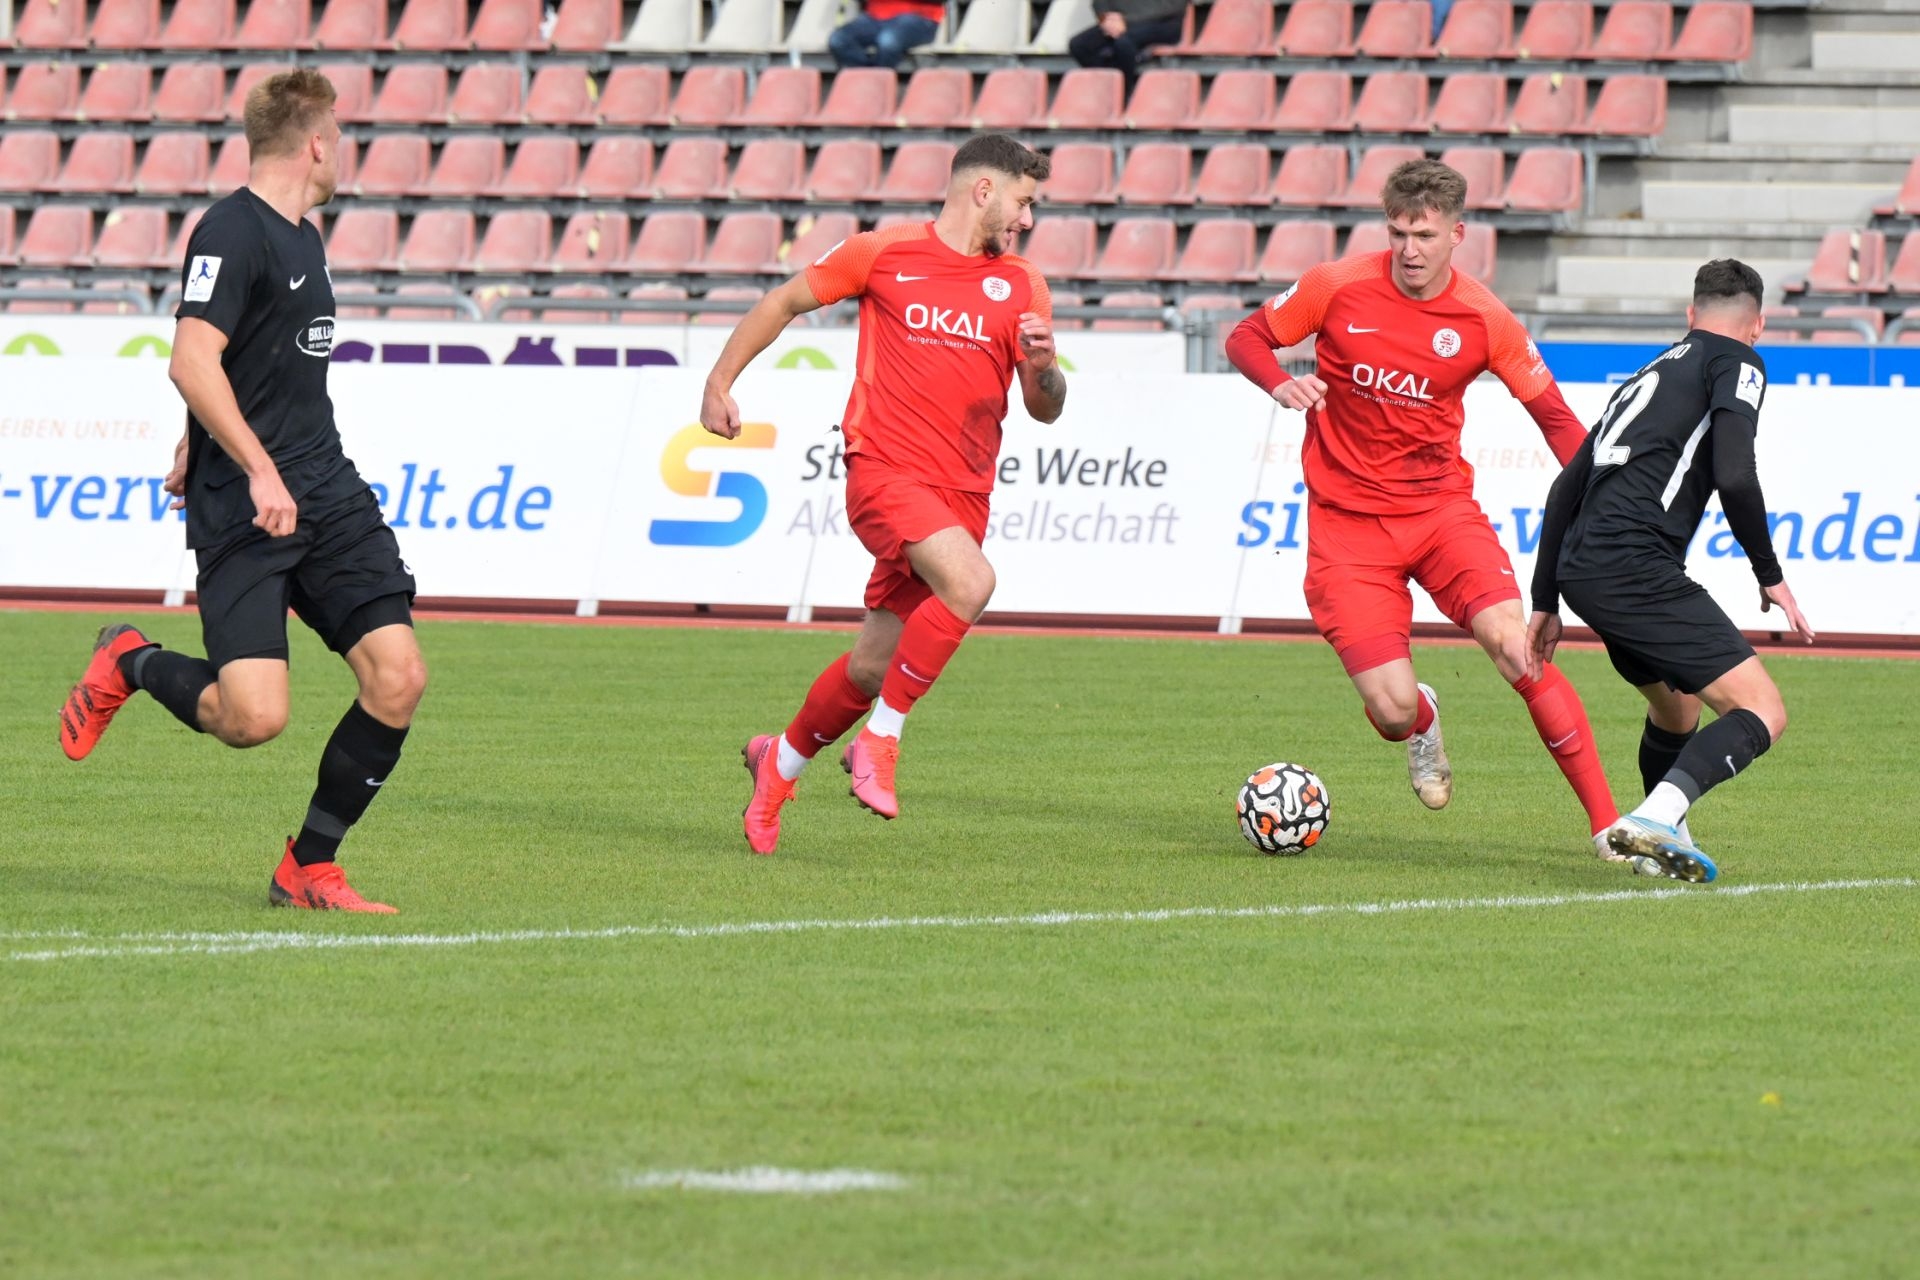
1402 334
948 316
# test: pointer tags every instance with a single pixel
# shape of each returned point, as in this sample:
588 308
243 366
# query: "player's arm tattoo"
1050 388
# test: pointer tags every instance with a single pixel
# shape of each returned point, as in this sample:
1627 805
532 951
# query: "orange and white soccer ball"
1284 809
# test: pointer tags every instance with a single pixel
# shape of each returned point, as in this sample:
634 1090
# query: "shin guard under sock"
359 758
1561 721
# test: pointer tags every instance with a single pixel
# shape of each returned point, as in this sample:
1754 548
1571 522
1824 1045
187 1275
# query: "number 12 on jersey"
1627 404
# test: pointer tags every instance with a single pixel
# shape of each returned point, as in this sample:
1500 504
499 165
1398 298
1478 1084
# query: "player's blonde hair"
1421 185
284 110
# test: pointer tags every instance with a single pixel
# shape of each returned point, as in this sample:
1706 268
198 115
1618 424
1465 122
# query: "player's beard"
993 234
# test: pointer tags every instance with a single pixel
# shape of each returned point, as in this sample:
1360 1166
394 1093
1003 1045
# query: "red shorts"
1358 566
889 509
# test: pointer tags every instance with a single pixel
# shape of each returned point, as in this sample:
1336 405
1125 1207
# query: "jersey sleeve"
1736 383
1511 355
225 258
1297 314
842 271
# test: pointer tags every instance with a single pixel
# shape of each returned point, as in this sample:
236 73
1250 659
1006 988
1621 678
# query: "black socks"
175 680
359 756
1659 748
1718 752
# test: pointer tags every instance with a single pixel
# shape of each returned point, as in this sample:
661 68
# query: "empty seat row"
352 25
106 163
1560 30
1855 261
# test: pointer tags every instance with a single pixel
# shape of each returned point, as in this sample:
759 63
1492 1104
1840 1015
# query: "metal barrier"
140 302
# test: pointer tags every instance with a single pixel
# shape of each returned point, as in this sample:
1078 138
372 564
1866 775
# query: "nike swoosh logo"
376 782
906 279
1508 572
915 675
1351 329
1555 746
823 739
295 284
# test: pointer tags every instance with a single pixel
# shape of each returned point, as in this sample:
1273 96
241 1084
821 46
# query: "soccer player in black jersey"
1614 543
276 513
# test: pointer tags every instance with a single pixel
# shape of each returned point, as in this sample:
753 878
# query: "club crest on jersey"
1391 381
996 288
946 320
1446 344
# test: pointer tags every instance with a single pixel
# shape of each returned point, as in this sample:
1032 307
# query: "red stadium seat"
1062 247
770 169
785 97
1905 275
98 162
469 167
1477 29
812 237
46 91
1849 261
1635 31
515 240
1198 304
431 26
51 24
655 293
1363 191
1088 98
1715 31
184 236
1547 180
709 96
543 168
1556 30
229 172
117 91
1485 169
243 83
1221 249
109 307
364 240
1237 102
174 164
1630 107
133 237
617 169
1470 104
669 243
586 26
1235 174
1392 102
1067 298
860 98
352 25
1082 174
692 169
919 173
567 315
591 242
636 95
1317 29
439 240
488 94
396 164
1315 102
847 169
1876 321
1907 203
1157 173
1234 29
36 307
727 293
1550 103
1396 29
1130 299
1368 237
937 98
1476 255
414 93
200 24
1311 176
1292 248
1137 249
1012 98
562 93
508 26
745 244
29 159
125 24
1164 99
275 24
353 86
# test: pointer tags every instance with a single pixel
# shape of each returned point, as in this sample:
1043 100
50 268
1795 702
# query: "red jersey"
1397 370
939 340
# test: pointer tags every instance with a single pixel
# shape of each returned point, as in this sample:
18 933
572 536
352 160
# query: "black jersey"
263 282
1652 455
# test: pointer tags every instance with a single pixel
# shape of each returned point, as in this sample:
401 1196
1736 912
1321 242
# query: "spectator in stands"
1122 31
885 31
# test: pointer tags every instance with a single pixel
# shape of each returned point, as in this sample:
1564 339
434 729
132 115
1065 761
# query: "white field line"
124 945
764 1180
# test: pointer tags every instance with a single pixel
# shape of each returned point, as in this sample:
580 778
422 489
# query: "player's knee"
972 591
1773 714
1391 716
252 726
394 689
869 672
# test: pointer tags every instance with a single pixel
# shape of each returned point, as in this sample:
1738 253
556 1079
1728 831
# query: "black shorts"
339 570
1660 628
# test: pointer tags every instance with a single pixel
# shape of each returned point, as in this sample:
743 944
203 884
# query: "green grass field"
1675 1082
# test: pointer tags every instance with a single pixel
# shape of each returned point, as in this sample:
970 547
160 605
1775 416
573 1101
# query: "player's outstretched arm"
1043 387
1250 348
755 333
1563 503
1736 474
195 370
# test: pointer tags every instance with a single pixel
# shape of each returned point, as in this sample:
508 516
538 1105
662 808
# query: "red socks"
1561 722
1422 721
926 643
834 705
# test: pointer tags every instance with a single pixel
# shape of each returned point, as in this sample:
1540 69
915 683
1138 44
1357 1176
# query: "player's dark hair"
1420 185
284 110
1725 279
998 152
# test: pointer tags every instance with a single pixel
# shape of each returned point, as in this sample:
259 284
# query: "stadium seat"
200 87
351 25
1904 277
486 296
655 292
396 164
936 98
117 91
847 169
1157 173
812 237
919 173
364 240
562 93
98 162
174 164
1477 29
1164 99
1476 255
1237 102
1233 29
507 26
1907 202
515 240
1370 237
1310 176
1137 249
274 24
542 168
1131 298
1630 107
1315 102
744 26
421 289
591 242
1363 190
1235 174
184 236
1392 102
229 172
133 237
1060 247
635 96
1547 180
1849 261
1635 31
431 26
1067 298
1317 29
1550 103
1471 103
1485 169
46 91
669 243
125 24
1229 305
488 94
617 169
692 169
1396 29
353 84
1011 98
709 96
51 24
1082 174
567 315
1556 30
110 307
770 169
586 26
40 307
1221 249
860 98
726 293
414 93
1715 31
469 167
1874 318
784 98
745 244
199 24
29 159
1292 248
1088 98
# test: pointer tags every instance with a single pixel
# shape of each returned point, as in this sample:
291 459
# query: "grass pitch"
1689 1084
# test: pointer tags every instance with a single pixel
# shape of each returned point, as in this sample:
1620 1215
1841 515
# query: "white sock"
1666 803
885 721
789 762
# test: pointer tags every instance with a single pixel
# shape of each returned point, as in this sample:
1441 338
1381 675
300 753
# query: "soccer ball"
1284 809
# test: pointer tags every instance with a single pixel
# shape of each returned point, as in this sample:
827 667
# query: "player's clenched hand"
272 504
1543 637
719 414
176 481
1780 594
1036 341
1303 393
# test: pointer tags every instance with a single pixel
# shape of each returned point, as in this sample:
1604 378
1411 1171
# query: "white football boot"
1427 766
